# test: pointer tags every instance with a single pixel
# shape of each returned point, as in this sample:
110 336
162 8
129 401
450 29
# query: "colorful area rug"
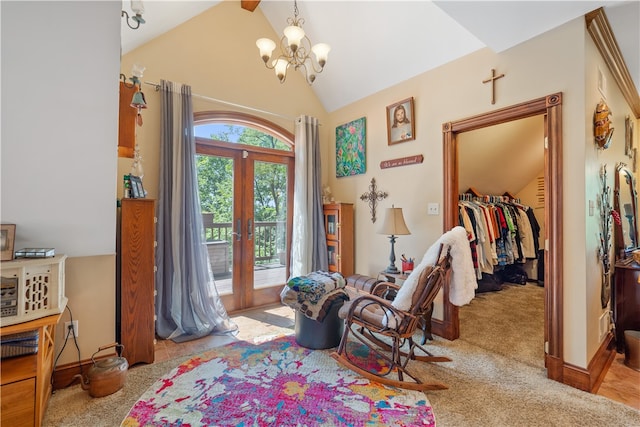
276 383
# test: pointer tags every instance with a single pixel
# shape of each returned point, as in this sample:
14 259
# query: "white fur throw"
463 278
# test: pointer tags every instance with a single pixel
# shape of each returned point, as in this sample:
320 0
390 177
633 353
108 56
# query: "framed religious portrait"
7 239
401 123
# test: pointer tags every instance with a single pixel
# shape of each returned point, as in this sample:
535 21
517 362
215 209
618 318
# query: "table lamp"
393 226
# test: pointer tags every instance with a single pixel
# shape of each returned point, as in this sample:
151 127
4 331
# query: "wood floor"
621 384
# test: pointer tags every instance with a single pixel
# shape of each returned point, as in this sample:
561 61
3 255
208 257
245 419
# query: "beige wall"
594 159
502 157
198 53
90 288
552 62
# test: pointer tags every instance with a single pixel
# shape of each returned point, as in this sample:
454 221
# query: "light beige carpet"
509 322
499 384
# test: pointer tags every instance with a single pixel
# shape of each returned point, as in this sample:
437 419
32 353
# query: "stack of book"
35 253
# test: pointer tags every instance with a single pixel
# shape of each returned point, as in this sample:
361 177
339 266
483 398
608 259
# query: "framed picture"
351 141
137 191
401 122
7 239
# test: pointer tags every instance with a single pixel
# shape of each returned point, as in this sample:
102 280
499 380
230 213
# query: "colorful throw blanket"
314 293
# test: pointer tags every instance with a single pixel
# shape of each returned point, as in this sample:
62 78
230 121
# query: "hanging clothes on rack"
503 234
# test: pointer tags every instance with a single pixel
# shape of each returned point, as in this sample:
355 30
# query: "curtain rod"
220 101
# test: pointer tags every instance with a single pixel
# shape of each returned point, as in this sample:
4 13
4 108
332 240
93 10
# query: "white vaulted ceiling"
377 44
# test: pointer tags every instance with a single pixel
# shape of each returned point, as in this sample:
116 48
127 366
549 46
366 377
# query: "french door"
249 245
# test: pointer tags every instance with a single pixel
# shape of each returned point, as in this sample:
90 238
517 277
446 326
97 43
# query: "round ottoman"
320 335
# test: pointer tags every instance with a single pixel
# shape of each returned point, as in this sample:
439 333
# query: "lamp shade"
321 50
281 66
137 70
266 47
394 223
137 7
294 35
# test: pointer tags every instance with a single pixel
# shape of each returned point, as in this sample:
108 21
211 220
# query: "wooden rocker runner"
374 321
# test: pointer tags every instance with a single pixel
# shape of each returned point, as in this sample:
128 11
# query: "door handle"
249 229
238 234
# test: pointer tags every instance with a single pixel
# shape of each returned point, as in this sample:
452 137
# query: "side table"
397 278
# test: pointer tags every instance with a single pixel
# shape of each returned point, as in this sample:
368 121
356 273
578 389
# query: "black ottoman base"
320 335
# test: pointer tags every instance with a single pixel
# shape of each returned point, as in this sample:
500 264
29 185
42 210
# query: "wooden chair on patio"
388 332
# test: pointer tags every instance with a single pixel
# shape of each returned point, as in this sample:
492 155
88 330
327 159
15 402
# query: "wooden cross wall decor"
493 79
373 196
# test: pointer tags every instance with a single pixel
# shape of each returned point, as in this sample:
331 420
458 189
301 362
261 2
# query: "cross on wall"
493 79
373 196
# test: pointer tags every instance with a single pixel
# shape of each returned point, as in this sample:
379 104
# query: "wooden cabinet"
135 290
338 224
626 300
126 122
26 385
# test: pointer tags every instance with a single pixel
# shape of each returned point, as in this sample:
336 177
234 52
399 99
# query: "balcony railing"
269 239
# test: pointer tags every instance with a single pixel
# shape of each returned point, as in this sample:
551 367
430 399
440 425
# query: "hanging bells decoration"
139 103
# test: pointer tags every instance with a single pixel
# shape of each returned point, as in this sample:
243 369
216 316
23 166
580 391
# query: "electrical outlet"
433 209
68 326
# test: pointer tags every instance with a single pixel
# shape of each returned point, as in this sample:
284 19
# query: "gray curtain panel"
309 244
187 304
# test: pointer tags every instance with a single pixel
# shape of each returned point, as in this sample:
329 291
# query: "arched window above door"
241 128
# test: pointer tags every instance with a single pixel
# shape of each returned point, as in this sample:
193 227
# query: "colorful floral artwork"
350 148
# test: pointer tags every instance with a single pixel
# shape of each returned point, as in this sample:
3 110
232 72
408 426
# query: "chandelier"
296 51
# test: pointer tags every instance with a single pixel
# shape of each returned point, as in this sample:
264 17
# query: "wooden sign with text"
403 161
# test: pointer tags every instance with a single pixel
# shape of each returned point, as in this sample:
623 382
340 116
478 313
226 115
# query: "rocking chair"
371 318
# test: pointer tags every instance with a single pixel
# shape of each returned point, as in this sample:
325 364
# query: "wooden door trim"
551 107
